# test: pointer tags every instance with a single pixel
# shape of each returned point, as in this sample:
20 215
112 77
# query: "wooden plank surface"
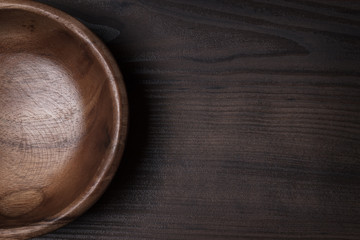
245 119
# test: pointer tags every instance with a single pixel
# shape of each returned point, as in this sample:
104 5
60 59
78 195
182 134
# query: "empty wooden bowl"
63 117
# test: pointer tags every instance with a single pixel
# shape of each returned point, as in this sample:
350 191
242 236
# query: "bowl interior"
57 117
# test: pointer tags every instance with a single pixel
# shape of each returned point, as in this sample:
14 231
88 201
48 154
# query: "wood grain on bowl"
63 119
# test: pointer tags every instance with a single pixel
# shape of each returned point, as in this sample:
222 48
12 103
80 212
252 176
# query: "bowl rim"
110 163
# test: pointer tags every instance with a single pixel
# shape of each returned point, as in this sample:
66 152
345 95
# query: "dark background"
245 119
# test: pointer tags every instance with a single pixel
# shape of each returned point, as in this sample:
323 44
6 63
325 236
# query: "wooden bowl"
63 119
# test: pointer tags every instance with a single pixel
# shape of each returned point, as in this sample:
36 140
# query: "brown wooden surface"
63 119
245 119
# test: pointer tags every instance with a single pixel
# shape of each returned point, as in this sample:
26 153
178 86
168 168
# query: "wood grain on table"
244 119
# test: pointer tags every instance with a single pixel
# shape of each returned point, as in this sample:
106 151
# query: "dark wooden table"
245 119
